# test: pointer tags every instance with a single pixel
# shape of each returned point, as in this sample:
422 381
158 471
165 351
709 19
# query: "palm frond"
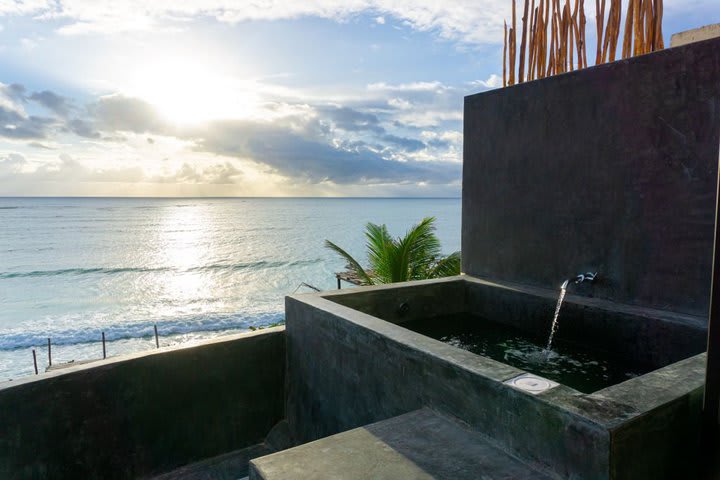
415 256
352 263
379 245
446 267
419 247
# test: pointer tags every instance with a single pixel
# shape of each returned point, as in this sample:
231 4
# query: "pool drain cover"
530 383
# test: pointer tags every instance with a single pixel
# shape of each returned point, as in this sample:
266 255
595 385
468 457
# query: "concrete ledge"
144 414
230 466
420 445
695 35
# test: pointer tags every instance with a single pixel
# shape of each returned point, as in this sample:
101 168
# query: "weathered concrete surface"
674 395
143 414
400 303
610 169
230 466
419 445
695 35
641 336
348 368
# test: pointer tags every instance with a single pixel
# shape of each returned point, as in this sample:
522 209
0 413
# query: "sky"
249 98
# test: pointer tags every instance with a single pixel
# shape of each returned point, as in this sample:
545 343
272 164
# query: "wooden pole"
512 44
649 26
157 340
523 42
103 343
659 41
599 21
533 43
616 17
637 28
49 353
583 22
35 361
628 35
505 45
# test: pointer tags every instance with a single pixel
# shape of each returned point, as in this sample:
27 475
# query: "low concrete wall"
143 414
347 369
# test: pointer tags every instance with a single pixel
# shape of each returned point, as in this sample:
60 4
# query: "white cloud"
405 87
493 81
380 20
466 20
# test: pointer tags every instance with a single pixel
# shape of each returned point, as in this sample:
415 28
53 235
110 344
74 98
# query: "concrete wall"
645 337
134 416
610 169
347 369
695 35
642 336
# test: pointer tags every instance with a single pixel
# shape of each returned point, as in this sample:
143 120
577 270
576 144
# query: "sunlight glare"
186 90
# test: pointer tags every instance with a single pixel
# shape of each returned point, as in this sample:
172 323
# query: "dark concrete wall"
644 337
346 370
405 302
144 414
612 169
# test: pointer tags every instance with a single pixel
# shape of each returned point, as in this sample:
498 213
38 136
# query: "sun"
188 90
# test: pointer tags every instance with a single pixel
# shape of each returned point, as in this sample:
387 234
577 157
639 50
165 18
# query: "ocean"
198 268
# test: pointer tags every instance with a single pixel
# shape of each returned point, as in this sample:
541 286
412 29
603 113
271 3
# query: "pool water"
586 369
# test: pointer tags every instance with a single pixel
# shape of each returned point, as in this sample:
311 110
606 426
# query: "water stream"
554 327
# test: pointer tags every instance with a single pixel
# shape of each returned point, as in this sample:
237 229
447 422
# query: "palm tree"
415 256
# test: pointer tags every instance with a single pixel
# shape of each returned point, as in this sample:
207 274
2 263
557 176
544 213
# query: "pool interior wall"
638 335
351 363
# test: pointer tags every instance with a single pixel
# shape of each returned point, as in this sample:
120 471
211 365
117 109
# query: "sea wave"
260 264
212 323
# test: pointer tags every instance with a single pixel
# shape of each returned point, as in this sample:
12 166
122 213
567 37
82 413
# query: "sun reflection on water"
184 248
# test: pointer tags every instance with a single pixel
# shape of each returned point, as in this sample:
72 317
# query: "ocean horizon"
72 268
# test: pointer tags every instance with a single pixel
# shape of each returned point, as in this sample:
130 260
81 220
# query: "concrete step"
229 466
419 445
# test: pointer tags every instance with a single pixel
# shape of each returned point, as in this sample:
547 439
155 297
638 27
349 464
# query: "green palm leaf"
352 263
415 256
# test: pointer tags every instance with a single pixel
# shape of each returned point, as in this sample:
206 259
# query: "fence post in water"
49 353
103 342
339 285
35 361
157 341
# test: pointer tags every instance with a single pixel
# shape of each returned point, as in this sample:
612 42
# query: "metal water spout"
580 278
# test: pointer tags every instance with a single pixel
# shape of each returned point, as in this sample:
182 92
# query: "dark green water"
583 368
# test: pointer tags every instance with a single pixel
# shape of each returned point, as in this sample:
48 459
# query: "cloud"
82 128
312 161
16 125
52 101
218 174
13 92
125 114
11 163
68 170
494 81
352 120
317 143
466 20
407 144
